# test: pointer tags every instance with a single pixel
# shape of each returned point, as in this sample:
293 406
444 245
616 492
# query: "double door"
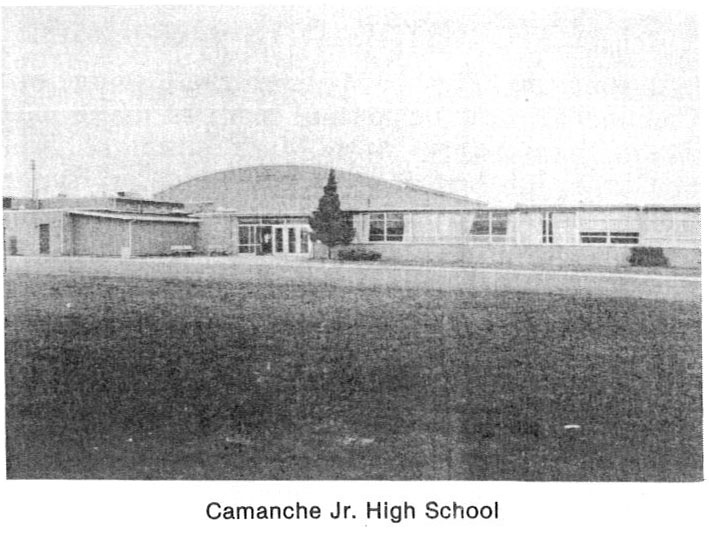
291 240
282 239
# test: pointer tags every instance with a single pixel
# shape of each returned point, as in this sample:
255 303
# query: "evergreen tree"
329 223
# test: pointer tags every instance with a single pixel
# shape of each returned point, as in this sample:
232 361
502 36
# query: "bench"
217 250
182 250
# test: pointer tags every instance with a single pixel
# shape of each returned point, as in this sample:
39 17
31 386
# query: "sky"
507 106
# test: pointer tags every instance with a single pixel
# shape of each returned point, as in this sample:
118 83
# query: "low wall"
521 256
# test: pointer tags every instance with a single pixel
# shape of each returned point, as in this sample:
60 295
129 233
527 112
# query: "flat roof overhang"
134 217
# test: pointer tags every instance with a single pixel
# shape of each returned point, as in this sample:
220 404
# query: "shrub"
648 257
358 253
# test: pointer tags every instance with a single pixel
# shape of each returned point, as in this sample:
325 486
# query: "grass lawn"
176 379
541 266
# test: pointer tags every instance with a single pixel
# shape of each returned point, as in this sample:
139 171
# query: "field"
187 379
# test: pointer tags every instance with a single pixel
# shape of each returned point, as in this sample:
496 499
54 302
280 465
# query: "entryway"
291 240
273 236
44 239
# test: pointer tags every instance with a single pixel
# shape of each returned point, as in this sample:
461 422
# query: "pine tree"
329 223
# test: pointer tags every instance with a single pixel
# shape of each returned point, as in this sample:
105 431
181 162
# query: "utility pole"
34 191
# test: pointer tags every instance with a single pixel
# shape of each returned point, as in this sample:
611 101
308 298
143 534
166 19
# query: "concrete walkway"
295 270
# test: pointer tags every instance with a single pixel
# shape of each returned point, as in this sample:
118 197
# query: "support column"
130 240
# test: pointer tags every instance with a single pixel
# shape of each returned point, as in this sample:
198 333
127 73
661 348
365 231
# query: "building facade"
108 226
265 210
535 236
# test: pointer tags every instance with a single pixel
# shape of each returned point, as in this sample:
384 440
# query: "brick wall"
23 227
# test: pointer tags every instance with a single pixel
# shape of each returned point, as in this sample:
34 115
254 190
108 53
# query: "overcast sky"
505 106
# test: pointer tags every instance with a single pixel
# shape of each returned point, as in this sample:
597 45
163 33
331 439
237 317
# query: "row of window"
610 237
491 227
486 226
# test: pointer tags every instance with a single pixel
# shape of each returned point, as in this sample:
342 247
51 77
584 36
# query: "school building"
264 210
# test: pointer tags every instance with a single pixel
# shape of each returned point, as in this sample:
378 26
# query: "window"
395 227
279 240
615 237
291 239
615 227
386 227
304 239
489 226
247 239
481 224
547 229
254 239
376 227
498 224
594 237
625 237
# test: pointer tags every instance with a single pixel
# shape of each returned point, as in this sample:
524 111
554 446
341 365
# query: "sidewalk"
295 270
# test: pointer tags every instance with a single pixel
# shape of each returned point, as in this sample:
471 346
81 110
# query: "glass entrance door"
268 236
291 240
279 239
255 239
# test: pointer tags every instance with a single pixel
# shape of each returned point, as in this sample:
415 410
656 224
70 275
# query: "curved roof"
296 190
